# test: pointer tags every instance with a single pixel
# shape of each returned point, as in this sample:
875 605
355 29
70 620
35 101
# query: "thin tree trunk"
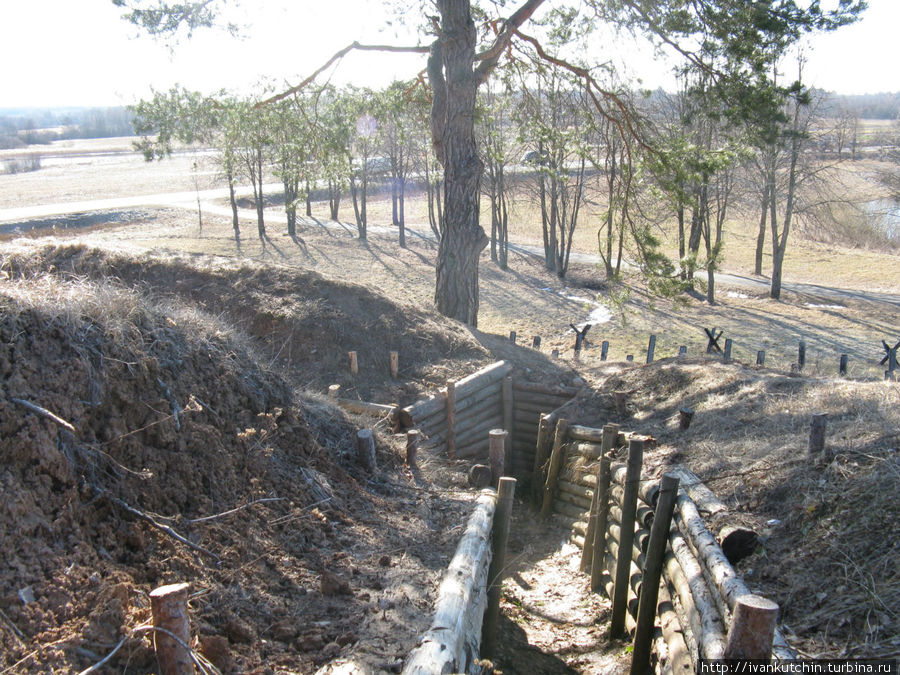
232 200
761 236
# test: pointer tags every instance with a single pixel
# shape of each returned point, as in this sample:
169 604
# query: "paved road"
18 219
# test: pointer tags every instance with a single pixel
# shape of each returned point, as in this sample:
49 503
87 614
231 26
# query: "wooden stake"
498 454
507 403
542 446
413 437
595 535
761 357
499 538
536 342
651 348
512 336
801 356
842 368
170 612
685 415
817 433
334 390
652 572
727 355
451 419
604 350
623 564
555 353
365 449
682 351
559 440
621 403
752 629
630 358
354 363
395 364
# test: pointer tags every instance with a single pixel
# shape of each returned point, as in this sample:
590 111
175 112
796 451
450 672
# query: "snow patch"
733 294
814 306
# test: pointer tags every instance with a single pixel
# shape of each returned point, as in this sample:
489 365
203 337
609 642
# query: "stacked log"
451 645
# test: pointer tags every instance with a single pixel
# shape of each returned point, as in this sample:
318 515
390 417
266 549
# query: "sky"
81 53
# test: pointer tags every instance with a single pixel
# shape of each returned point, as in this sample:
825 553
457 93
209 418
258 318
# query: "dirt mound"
830 525
298 321
130 430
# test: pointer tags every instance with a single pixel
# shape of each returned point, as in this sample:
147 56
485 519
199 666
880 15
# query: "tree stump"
170 613
685 416
365 449
621 403
497 440
334 390
752 628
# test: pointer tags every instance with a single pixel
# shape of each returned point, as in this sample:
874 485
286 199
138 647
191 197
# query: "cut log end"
737 542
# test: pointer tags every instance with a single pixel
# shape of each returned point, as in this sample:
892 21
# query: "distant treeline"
884 106
20 127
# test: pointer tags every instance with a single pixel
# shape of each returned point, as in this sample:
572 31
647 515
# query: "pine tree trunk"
455 85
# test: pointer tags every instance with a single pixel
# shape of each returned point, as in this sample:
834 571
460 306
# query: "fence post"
412 447
354 363
536 342
545 431
801 356
497 449
607 442
656 551
512 336
651 347
727 355
604 350
842 368
559 440
761 357
682 351
499 537
626 538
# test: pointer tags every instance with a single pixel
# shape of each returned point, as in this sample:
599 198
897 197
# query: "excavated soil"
152 431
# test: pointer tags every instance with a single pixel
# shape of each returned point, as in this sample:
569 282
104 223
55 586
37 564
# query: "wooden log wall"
458 418
699 591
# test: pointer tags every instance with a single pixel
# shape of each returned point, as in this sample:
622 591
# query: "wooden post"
727 354
604 350
540 456
656 552
626 540
621 403
610 437
752 628
630 358
817 433
651 347
354 363
365 449
555 353
685 415
499 538
801 356
512 336
507 401
497 449
334 390
412 447
395 364
451 419
559 439
682 351
170 612
536 342
761 357
842 368
610 434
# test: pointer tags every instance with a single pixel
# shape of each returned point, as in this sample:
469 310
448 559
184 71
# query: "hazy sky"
79 52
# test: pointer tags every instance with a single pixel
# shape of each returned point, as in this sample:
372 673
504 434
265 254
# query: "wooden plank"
464 387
